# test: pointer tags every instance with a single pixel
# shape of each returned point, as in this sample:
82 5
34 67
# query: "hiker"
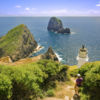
78 83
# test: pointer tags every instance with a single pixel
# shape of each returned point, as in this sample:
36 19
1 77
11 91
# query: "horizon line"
49 16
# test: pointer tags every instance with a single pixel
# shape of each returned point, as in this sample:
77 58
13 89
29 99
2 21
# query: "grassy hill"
18 40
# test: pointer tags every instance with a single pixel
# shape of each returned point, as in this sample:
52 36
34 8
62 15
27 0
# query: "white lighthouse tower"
82 56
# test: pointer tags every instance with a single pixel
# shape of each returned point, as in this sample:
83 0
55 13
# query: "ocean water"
85 30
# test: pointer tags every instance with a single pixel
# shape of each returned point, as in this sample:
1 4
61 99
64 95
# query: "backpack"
79 81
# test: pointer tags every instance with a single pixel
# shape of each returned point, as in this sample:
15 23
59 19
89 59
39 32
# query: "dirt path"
27 60
7 60
64 91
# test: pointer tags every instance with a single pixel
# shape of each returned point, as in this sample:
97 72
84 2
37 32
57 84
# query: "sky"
49 7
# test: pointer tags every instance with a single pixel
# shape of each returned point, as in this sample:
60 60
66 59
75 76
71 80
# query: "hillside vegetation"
9 42
91 85
30 81
17 43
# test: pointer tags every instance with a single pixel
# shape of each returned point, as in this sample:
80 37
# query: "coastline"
37 49
58 56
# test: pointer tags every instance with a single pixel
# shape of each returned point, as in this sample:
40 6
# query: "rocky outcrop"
55 25
18 43
50 55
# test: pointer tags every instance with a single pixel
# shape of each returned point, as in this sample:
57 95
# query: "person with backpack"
78 83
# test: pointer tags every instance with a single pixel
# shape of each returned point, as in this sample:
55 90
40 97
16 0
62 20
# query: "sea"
84 31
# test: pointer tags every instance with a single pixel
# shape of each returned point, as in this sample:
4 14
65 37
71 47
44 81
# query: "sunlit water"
85 30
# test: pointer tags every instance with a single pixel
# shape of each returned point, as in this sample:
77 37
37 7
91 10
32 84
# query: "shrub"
50 93
29 81
74 73
5 87
91 84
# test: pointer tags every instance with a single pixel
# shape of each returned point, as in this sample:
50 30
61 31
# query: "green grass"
57 19
11 41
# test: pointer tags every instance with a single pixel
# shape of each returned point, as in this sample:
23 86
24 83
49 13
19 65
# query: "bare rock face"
50 55
55 25
18 43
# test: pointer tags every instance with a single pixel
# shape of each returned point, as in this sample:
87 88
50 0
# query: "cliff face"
50 55
18 43
55 25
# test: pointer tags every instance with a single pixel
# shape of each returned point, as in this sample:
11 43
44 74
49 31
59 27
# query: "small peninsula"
56 25
18 43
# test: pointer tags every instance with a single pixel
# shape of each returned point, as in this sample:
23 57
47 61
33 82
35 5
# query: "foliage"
5 87
50 93
29 81
74 72
11 40
1 52
91 85
57 20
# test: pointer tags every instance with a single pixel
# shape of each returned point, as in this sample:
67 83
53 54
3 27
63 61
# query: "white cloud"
27 9
67 12
59 12
54 12
98 5
18 6
30 9
93 11
29 12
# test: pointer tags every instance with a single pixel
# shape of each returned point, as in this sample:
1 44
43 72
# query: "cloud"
98 5
27 9
54 12
69 12
93 11
29 12
18 6
30 9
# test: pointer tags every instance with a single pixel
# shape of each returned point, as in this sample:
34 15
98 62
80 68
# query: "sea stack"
50 55
56 25
18 43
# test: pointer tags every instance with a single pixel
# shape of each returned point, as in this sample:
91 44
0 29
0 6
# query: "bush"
5 87
50 93
29 81
74 73
91 84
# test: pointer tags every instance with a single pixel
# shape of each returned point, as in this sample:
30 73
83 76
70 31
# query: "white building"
82 56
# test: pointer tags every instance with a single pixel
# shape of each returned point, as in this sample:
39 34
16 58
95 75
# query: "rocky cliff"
50 55
18 43
55 25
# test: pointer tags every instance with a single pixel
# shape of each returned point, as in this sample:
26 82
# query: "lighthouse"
82 56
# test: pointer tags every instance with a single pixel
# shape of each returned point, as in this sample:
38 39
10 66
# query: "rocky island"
18 43
56 25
